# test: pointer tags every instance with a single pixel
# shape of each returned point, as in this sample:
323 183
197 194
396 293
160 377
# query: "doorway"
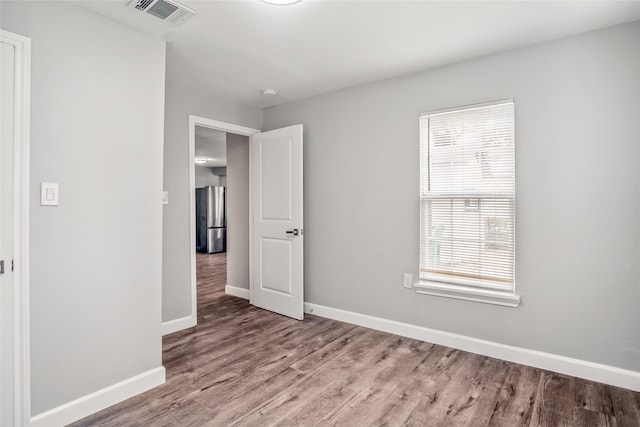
212 213
271 251
219 210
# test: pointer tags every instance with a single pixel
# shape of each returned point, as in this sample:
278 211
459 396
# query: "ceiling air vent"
167 10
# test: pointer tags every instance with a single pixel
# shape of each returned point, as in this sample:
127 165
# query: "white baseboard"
101 399
237 292
176 325
565 365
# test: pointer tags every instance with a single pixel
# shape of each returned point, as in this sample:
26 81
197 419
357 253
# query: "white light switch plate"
165 197
49 194
408 280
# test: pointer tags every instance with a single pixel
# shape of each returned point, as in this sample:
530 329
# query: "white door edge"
22 389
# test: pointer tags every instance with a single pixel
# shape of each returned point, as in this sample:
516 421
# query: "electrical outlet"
408 280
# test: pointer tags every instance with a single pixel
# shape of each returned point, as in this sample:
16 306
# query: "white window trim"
471 283
448 289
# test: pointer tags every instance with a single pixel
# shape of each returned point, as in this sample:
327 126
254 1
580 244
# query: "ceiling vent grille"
167 10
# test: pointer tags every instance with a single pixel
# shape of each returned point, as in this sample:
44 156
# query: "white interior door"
7 105
277 235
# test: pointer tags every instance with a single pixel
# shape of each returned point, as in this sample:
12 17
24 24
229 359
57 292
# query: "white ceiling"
234 49
212 145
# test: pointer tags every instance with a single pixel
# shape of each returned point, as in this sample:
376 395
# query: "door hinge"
2 266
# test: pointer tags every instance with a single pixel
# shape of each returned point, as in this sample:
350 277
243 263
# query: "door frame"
225 127
21 350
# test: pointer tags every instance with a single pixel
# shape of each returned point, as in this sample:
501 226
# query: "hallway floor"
245 366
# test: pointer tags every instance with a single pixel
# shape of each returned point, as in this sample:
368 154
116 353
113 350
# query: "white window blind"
467 196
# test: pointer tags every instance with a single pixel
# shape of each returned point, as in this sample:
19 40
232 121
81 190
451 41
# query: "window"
467 203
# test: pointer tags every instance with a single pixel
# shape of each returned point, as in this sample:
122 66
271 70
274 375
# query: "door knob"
293 232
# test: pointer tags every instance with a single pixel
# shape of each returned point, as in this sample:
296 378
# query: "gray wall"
96 258
578 195
180 102
238 210
204 177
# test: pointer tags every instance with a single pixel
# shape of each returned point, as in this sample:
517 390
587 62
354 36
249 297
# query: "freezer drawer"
216 240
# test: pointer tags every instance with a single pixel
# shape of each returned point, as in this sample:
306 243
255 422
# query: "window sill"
487 296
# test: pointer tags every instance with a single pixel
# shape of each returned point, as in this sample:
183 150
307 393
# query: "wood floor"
248 367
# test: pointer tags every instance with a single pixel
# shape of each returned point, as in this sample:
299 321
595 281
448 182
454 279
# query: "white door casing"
277 229
6 235
14 230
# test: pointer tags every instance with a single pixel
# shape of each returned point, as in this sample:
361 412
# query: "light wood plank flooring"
243 366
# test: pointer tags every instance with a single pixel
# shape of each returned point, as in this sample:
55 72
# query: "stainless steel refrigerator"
211 220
